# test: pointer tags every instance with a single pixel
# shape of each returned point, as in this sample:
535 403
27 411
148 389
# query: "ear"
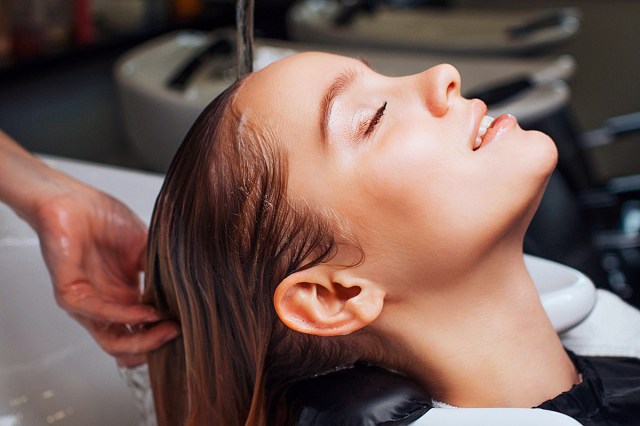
325 302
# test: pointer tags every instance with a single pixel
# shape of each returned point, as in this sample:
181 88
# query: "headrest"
358 396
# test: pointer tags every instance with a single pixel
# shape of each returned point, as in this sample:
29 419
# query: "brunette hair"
223 235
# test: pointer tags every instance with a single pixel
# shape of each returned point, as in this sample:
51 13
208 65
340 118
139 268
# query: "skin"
93 246
443 284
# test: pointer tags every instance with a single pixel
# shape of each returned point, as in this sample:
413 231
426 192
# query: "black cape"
609 394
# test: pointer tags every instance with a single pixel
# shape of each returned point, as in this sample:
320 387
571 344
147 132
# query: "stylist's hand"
94 248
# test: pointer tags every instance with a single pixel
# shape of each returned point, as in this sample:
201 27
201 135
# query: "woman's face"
395 157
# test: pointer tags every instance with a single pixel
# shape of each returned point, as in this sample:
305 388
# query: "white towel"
612 328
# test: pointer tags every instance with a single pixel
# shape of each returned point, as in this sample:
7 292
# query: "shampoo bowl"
51 370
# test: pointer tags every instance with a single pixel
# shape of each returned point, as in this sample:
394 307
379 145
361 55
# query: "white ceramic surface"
157 118
455 30
51 370
493 417
566 294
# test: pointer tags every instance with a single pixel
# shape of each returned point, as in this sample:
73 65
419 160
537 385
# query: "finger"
93 308
120 342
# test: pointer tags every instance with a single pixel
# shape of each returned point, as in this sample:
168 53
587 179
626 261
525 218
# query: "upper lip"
479 110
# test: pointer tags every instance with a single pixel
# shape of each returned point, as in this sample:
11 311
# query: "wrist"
28 185
49 198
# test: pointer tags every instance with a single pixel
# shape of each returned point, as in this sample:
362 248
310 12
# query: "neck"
483 341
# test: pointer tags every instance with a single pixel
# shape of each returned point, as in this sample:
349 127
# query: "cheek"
407 157
419 194
402 171
418 169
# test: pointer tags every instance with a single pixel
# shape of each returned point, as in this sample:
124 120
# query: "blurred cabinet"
33 30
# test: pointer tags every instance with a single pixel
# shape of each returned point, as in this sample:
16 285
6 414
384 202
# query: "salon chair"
367 395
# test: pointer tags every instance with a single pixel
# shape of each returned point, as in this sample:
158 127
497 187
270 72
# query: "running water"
244 42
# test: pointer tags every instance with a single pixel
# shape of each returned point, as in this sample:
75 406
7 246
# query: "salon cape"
610 390
608 344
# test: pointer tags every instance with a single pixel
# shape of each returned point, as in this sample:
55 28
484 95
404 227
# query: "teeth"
484 125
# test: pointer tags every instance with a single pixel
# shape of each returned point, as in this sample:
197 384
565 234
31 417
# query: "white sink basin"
482 30
51 370
566 294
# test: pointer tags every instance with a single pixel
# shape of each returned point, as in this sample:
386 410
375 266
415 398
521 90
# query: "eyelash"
375 119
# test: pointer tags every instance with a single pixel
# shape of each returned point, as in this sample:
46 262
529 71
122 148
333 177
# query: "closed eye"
375 119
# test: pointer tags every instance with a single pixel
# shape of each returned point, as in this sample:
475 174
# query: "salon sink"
479 31
566 294
157 116
51 371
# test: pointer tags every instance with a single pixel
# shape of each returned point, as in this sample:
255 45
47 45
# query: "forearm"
25 180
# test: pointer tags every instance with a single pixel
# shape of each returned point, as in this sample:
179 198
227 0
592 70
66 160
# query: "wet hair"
222 237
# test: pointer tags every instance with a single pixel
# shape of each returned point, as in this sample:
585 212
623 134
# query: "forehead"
298 69
290 89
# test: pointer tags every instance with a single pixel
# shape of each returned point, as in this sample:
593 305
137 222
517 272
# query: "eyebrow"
339 85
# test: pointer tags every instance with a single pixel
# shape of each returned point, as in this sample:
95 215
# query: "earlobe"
324 302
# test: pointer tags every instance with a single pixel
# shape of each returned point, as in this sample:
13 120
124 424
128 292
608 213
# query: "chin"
550 151
542 155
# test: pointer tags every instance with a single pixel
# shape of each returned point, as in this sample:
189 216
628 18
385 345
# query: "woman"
320 214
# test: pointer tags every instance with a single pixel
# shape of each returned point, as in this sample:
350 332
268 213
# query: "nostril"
440 105
452 88
451 76
441 84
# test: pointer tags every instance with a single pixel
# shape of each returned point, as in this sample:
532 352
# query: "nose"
440 85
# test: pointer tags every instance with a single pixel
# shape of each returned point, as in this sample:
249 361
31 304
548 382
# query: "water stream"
244 42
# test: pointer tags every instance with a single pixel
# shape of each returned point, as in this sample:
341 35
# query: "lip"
479 110
499 126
